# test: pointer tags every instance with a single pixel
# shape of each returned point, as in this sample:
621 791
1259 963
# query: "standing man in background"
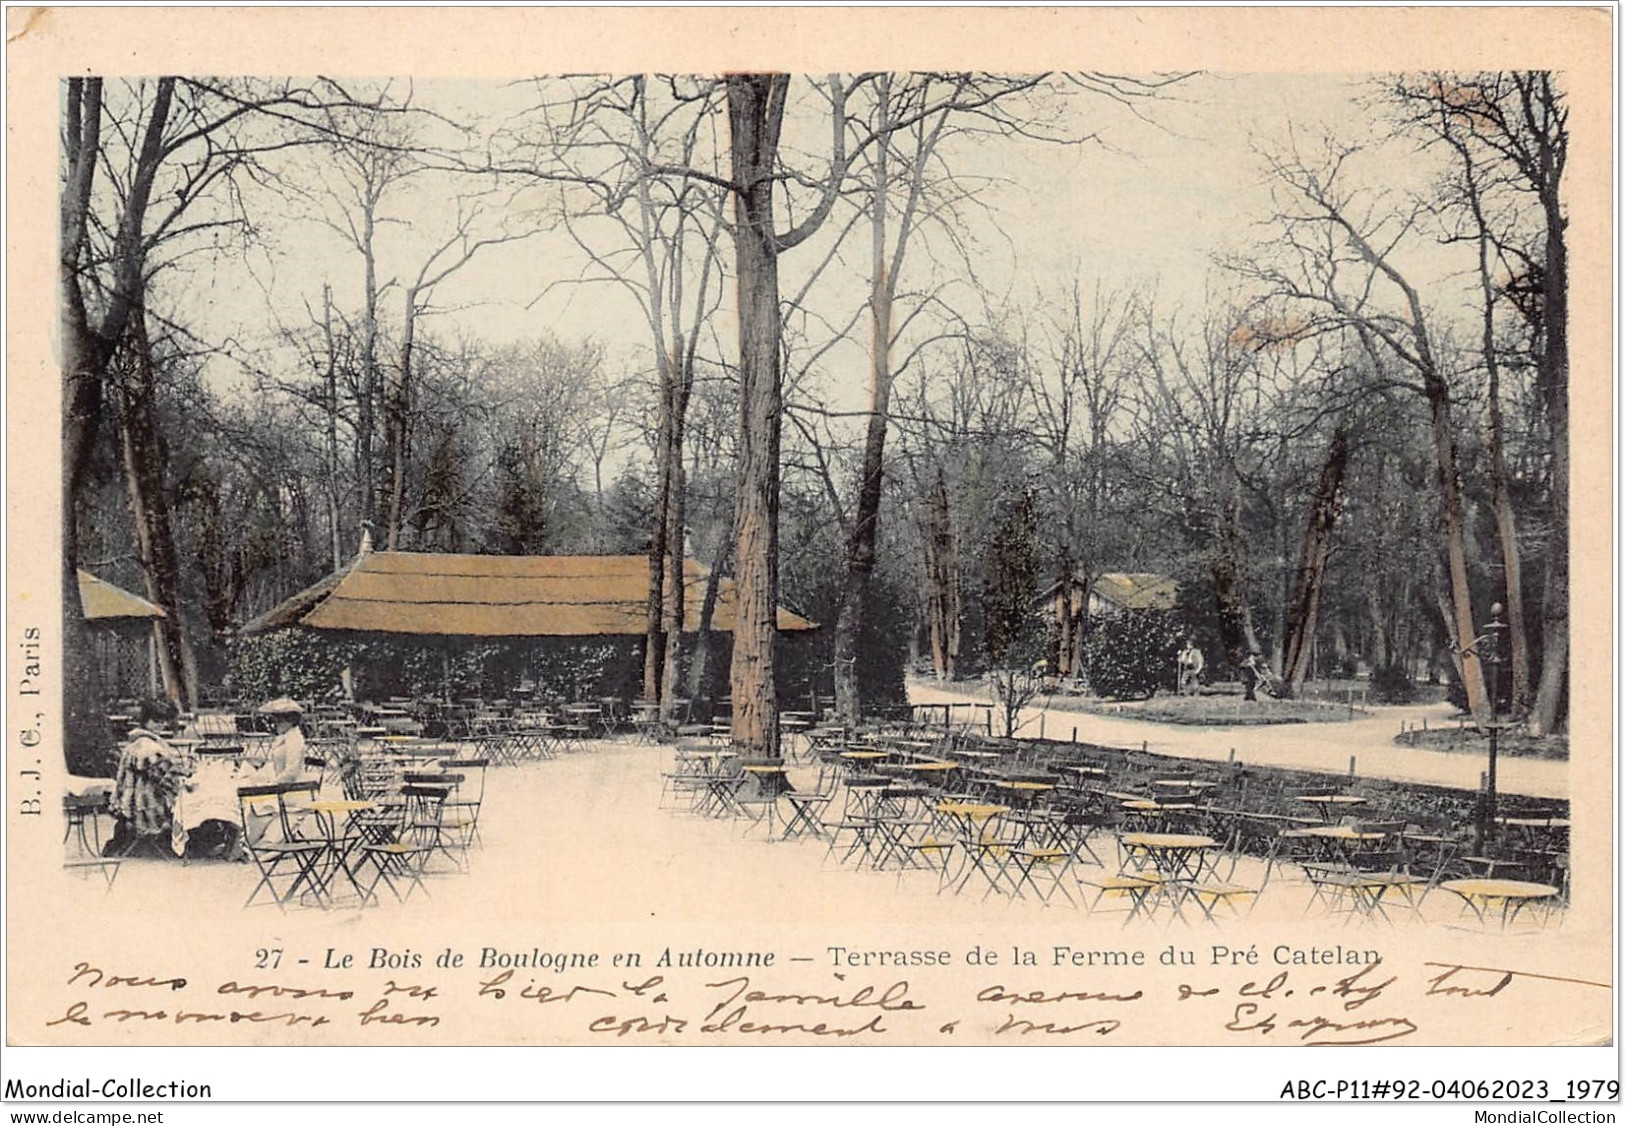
1191 664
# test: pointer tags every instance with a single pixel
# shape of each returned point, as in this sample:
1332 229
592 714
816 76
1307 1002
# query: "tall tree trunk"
699 666
1381 648
1552 374
680 373
1080 626
87 350
654 645
331 407
860 550
1229 580
1442 603
1506 527
143 460
675 593
941 581
1317 543
1063 615
1454 525
755 114
399 411
367 401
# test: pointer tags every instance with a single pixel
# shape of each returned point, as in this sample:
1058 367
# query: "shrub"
1131 655
290 662
1392 684
1456 693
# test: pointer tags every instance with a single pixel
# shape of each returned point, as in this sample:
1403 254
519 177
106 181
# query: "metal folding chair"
289 865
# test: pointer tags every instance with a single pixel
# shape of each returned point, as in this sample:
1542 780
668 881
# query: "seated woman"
150 775
282 762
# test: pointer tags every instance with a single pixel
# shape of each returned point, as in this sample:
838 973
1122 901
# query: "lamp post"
1491 641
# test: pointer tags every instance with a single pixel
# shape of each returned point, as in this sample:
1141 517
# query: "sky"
1148 206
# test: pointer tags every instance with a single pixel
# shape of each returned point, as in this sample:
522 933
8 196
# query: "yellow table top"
764 769
341 806
1025 785
861 755
1334 832
932 766
971 810
1332 799
1500 889
1168 840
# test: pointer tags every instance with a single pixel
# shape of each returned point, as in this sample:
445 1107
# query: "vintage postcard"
913 528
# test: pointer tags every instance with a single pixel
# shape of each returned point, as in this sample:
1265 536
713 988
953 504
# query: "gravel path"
1308 746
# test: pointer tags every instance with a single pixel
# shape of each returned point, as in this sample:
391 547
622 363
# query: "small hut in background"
1069 610
571 624
124 629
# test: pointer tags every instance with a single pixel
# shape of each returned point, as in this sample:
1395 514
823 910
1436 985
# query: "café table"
770 783
986 851
858 758
1023 791
586 715
1181 785
1513 897
965 818
1535 833
209 794
1147 812
342 833
770 775
1329 844
1342 838
1175 856
930 768
1331 805
645 721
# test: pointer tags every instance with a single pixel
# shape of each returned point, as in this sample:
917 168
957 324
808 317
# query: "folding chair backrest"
425 804
437 779
472 789
257 796
1382 860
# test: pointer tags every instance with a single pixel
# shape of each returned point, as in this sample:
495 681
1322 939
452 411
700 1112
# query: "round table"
1178 856
1514 896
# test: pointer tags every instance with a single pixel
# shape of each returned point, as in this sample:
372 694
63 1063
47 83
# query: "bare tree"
1341 266
171 151
1201 413
1310 575
1077 400
1507 134
905 184
630 158
457 251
